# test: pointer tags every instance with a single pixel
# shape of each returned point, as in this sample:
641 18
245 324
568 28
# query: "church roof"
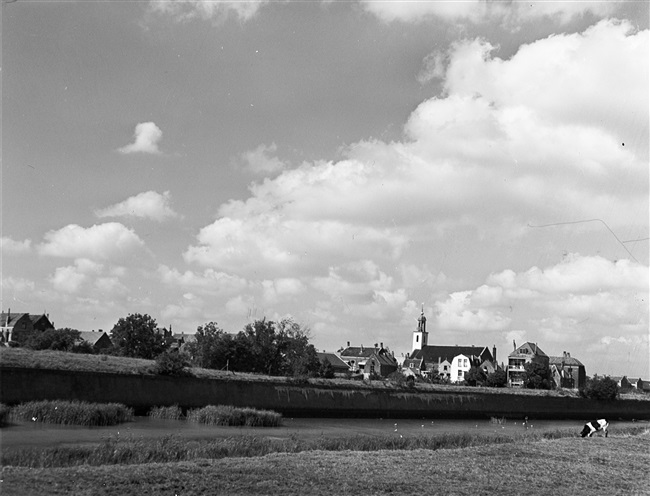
433 353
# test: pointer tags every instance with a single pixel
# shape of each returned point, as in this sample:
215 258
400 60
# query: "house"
413 366
99 340
17 327
180 340
339 366
379 360
447 362
623 383
637 384
567 372
526 353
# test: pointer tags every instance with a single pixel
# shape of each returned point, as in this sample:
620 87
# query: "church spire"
420 336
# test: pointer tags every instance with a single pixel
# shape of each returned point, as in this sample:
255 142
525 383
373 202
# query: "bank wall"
141 392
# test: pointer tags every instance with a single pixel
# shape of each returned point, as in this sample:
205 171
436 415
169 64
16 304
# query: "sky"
345 164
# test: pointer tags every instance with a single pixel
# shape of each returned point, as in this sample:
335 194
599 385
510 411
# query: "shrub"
326 370
498 378
600 388
172 362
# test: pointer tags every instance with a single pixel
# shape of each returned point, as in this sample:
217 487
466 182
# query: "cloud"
109 241
216 11
147 205
480 11
10 247
261 160
147 135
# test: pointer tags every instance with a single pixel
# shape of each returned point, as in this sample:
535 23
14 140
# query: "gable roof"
92 336
356 351
9 320
433 353
333 359
528 349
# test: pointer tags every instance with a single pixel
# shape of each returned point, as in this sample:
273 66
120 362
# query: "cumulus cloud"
146 138
109 241
262 160
479 11
8 246
216 11
147 205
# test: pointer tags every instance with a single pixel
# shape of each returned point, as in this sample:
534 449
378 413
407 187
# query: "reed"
232 416
72 413
4 414
166 412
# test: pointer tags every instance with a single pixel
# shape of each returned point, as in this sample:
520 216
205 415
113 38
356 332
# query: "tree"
498 378
538 375
136 336
172 362
600 388
326 370
212 348
65 339
475 376
297 357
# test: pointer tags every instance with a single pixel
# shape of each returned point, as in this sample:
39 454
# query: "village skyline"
342 163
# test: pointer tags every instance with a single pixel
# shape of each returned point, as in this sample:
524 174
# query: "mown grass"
128 450
574 466
71 413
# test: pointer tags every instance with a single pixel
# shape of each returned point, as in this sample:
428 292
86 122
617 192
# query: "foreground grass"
120 450
575 466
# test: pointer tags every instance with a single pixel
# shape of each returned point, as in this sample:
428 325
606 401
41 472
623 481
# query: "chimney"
514 345
348 344
361 347
568 355
494 353
381 345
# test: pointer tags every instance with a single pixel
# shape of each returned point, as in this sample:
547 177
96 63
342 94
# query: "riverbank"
290 397
598 466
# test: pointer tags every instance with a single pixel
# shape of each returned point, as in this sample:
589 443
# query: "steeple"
420 335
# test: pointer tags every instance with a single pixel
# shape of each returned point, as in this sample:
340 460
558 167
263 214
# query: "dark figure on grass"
594 426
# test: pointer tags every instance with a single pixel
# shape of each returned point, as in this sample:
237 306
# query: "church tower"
420 335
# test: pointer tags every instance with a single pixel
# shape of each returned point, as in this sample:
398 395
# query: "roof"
568 361
13 318
92 336
528 349
187 338
356 351
333 359
433 353
416 363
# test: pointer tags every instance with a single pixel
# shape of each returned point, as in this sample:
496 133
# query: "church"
446 362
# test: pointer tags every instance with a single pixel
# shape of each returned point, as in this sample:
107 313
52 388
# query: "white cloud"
9 246
262 160
147 205
147 135
478 11
109 241
216 11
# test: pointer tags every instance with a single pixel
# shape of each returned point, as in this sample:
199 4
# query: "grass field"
571 466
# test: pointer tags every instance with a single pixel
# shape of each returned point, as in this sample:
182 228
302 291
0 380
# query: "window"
417 339
411 365
444 368
460 373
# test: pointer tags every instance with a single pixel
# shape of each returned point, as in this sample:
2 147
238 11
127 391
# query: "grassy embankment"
575 466
58 360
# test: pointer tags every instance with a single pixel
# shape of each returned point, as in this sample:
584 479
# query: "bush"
600 388
498 378
172 362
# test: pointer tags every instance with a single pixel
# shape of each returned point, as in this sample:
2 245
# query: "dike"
141 392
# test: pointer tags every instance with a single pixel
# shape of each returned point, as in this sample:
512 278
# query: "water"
38 435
